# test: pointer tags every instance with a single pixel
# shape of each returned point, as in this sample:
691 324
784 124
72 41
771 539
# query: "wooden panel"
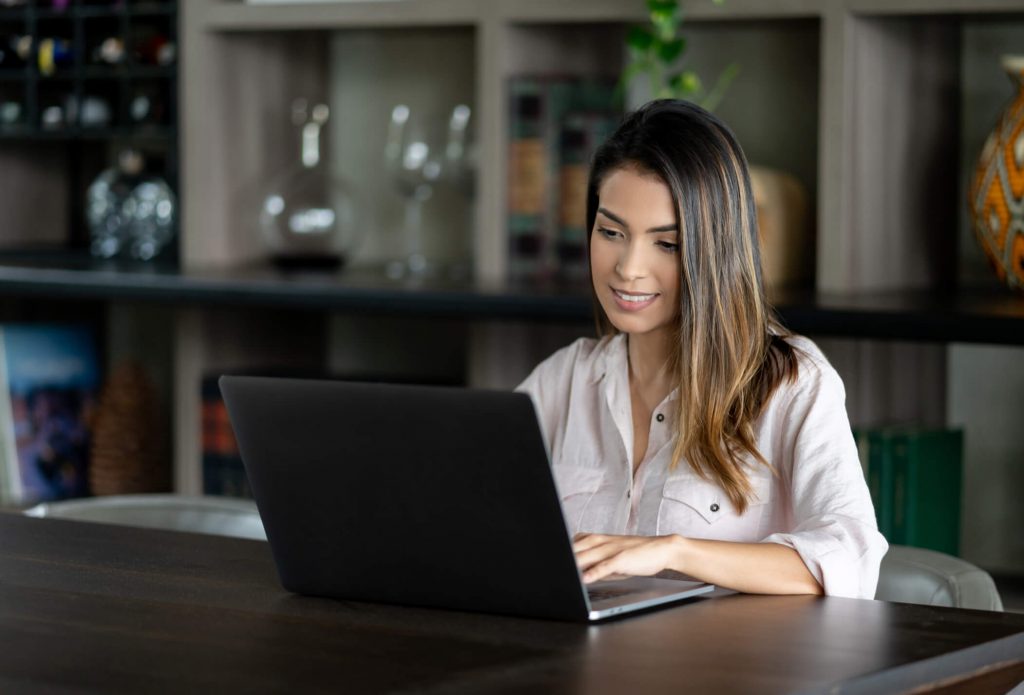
490 242
902 204
890 382
34 196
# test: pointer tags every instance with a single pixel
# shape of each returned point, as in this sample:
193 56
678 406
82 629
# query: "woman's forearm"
754 568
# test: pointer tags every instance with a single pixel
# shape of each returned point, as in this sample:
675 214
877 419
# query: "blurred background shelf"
978 316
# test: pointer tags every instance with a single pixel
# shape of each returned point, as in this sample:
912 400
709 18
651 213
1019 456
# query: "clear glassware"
150 211
420 154
308 216
460 173
128 212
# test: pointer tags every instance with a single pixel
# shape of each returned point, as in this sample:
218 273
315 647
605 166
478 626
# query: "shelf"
988 317
154 9
933 7
68 134
116 72
590 11
966 316
239 16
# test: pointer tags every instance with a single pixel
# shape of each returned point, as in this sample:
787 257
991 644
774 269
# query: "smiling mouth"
634 297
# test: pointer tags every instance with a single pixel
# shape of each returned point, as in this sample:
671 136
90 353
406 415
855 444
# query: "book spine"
582 133
572 191
902 500
223 470
880 480
933 481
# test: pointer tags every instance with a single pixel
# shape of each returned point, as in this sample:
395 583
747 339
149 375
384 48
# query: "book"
582 132
527 177
915 479
223 470
542 187
874 449
49 385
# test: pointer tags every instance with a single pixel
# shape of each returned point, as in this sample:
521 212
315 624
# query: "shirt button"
629 493
714 507
660 418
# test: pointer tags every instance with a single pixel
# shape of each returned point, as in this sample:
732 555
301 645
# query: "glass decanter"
308 217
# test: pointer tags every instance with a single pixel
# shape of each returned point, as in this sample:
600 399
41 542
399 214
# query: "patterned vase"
996 196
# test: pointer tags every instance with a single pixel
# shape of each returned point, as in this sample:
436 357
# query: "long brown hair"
732 352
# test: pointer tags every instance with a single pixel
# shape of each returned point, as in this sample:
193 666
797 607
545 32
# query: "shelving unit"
872 104
50 100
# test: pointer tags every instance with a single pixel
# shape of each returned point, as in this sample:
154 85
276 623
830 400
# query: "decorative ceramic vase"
996 196
784 228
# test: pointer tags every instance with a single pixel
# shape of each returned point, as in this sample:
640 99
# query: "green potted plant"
654 52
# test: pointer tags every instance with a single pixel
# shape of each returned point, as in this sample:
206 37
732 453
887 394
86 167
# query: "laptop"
418 495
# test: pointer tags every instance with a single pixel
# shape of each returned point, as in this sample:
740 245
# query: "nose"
631 265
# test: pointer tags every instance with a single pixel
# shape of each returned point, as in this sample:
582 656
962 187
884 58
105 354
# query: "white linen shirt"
818 504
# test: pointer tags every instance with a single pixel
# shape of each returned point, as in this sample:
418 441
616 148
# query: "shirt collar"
613 357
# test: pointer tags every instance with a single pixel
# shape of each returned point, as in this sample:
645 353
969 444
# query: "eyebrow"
615 218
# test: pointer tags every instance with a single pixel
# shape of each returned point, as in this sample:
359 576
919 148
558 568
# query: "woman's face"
634 252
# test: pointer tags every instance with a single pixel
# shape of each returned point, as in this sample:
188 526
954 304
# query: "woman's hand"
614 557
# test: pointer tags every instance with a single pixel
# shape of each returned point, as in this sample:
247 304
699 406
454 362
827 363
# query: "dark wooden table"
106 609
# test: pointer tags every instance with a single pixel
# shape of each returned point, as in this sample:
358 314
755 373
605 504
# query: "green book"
914 475
875 454
927 480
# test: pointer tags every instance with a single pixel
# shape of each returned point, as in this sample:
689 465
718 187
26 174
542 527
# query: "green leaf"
668 52
664 18
685 84
640 39
662 6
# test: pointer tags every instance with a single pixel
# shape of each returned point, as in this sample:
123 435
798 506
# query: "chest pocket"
576 488
697 508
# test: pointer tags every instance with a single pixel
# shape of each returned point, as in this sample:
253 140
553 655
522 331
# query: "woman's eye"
609 233
668 246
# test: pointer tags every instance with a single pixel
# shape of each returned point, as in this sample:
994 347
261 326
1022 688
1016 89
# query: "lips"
633 301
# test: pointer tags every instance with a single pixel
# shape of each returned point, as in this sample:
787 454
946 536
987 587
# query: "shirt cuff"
838 570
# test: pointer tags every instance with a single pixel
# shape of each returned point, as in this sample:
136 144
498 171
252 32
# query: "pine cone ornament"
128 452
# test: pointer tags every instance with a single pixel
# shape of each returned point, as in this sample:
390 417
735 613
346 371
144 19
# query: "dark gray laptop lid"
413 495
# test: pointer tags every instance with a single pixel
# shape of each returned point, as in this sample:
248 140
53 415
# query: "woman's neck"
648 361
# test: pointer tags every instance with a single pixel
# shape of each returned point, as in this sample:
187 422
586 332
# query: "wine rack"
81 79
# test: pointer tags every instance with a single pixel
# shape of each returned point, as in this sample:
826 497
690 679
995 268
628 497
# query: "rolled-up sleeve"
834 528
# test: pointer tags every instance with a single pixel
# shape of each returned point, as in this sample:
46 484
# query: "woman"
697 436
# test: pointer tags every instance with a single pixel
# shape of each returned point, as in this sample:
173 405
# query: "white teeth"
637 298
